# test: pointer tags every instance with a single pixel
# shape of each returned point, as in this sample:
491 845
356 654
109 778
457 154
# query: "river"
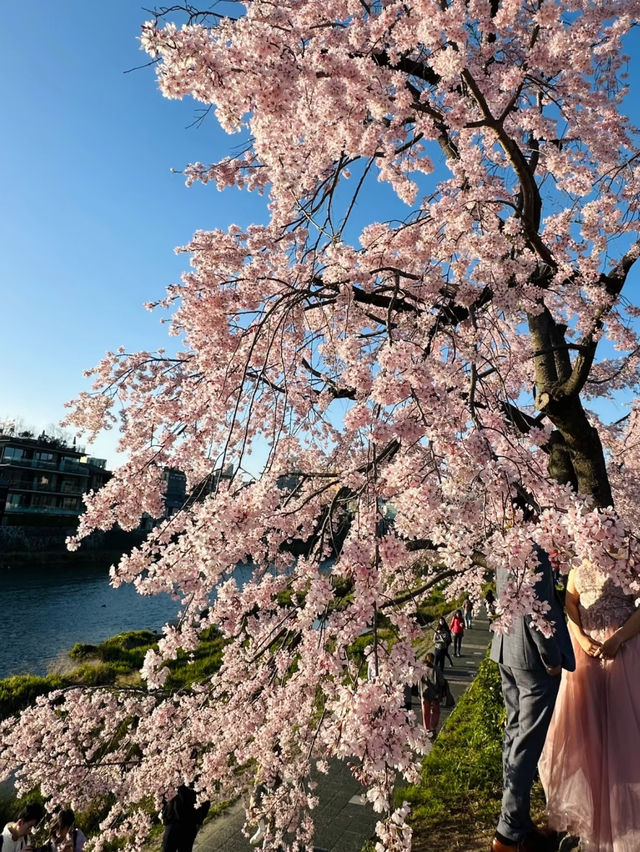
44 611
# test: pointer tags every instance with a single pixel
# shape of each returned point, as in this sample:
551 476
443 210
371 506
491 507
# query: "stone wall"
32 543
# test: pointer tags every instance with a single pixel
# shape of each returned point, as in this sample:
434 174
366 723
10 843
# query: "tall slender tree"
439 364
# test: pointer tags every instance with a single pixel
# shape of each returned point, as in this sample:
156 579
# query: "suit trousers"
529 698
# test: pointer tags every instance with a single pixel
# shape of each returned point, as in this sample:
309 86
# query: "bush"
127 650
199 665
81 650
435 606
100 674
20 691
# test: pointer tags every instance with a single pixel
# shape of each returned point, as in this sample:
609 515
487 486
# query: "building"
42 480
176 494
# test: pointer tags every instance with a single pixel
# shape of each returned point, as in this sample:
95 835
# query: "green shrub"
199 665
436 605
100 674
81 650
90 818
127 646
20 691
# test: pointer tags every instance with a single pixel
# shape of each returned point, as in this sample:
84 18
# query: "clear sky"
90 210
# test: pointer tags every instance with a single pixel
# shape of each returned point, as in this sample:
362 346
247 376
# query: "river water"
44 611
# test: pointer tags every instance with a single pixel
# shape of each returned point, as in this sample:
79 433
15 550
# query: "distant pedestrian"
261 836
431 692
456 626
15 835
182 819
372 662
467 608
441 642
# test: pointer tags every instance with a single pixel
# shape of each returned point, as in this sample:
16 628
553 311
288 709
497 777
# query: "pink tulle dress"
590 765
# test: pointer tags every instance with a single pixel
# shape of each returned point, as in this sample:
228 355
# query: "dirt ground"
451 840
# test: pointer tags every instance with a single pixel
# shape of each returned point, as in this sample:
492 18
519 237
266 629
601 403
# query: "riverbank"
114 662
57 558
44 544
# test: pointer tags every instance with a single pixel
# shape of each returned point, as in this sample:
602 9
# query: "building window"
13 453
18 501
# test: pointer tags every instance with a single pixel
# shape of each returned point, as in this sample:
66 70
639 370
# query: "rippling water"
45 611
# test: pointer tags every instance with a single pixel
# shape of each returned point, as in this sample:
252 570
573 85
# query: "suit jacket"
524 647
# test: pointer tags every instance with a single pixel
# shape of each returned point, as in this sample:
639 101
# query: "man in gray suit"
530 667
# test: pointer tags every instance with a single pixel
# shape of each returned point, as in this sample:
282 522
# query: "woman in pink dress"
590 766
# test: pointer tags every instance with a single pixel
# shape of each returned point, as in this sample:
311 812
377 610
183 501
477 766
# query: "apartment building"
42 480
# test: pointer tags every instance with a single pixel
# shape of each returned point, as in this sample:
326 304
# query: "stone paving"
344 820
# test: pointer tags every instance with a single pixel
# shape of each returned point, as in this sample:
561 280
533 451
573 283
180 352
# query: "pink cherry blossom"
431 365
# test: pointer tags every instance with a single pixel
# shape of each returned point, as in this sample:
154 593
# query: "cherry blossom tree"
439 363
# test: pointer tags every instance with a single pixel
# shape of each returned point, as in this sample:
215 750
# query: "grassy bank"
115 661
462 775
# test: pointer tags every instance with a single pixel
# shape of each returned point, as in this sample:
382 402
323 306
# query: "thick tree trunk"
575 453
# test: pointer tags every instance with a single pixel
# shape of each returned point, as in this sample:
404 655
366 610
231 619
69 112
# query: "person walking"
530 665
490 603
456 626
467 608
432 689
441 642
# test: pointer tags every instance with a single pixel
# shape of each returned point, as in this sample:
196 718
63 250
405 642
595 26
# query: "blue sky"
91 211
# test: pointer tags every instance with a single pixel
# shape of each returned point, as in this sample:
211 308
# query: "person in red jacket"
457 629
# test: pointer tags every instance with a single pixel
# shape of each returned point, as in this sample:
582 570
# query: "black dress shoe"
539 841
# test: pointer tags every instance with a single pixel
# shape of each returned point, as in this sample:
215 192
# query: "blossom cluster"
388 369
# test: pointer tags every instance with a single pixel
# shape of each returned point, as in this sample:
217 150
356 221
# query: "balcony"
63 466
40 510
37 487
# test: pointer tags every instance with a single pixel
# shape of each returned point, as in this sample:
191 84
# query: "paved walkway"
344 820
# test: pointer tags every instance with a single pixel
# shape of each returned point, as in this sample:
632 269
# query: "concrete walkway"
344 820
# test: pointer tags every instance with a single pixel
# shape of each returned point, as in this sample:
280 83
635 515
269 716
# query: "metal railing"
64 466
